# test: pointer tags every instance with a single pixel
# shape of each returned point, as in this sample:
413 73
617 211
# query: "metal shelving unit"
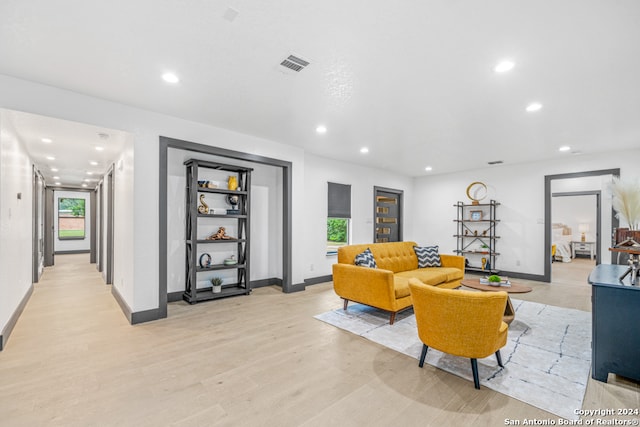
195 241
476 236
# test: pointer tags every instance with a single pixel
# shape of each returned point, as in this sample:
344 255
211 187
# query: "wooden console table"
615 337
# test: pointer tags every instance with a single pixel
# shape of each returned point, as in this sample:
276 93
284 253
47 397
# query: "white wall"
74 244
520 190
126 255
15 220
318 172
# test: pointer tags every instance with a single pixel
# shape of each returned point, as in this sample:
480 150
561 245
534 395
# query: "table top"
609 275
633 250
515 288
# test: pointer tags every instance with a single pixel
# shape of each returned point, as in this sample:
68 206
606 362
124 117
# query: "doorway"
608 220
576 237
38 224
387 212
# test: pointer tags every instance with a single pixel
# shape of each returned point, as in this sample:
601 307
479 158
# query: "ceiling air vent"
294 63
495 162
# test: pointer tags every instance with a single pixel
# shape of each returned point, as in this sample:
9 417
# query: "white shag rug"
546 361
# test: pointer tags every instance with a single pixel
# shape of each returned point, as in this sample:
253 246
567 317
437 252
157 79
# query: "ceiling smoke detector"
294 63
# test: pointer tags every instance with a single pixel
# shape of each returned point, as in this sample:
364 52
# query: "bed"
561 240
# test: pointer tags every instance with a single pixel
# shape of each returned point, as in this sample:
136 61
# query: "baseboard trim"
266 282
319 279
8 328
296 287
526 276
174 296
79 251
121 302
145 316
135 317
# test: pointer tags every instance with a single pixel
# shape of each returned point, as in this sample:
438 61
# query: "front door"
388 215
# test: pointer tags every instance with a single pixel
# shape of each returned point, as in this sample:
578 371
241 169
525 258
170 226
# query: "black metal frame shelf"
481 231
242 285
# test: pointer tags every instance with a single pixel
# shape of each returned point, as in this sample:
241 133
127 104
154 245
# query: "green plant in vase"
494 279
216 283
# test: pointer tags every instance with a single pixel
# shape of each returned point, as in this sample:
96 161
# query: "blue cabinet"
615 308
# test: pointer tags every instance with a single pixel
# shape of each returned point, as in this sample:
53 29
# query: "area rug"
546 360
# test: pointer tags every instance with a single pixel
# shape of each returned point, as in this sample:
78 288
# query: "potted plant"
216 283
494 280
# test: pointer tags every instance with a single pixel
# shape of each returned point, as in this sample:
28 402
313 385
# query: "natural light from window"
71 219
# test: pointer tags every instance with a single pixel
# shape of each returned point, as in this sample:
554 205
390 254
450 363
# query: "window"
338 217
71 218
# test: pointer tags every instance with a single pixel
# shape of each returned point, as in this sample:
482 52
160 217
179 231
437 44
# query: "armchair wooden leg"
499 357
392 318
423 355
474 368
346 301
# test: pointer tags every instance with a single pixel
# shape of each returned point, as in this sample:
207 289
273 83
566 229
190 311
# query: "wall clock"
476 191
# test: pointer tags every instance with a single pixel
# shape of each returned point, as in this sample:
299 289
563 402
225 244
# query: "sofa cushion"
401 287
452 273
365 259
428 256
428 276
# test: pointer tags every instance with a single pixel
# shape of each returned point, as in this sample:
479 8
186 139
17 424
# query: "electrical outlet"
517 263
311 267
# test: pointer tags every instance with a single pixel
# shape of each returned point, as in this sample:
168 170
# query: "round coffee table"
509 312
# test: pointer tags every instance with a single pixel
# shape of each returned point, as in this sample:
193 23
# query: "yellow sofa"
387 287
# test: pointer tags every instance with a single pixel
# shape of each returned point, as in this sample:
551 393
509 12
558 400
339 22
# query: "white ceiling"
71 158
410 80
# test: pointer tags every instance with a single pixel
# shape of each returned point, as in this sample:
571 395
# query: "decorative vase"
217 289
232 184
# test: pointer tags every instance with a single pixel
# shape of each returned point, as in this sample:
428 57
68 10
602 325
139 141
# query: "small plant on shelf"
216 282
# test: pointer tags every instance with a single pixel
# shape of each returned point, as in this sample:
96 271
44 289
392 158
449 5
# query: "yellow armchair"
460 323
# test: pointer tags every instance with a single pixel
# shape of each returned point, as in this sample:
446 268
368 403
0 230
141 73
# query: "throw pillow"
366 259
428 256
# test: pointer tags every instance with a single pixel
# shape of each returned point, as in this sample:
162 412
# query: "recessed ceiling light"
564 148
89 173
99 148
93 163
364 150
170 78
54 169
47 140
428 168
534 106
504 66
56 177
57 183
84 185
321 129
50 158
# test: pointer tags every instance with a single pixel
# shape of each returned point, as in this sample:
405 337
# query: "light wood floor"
258 360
